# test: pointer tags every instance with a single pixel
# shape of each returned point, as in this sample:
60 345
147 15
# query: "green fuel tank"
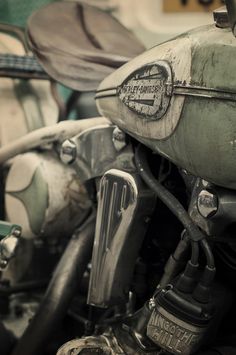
179 99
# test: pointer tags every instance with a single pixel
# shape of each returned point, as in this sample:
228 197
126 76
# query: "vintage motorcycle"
160 180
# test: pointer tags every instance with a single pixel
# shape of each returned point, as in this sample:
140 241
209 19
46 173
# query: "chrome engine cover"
124 208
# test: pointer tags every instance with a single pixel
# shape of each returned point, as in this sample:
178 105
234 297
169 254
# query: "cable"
23 287
181 251
209 255
175 263
186 282
195 253
167 198
202 291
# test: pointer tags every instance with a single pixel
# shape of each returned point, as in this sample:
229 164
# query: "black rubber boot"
224 350
7 340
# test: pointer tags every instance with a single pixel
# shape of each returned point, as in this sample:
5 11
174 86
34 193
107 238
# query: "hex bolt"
207 203
3 264
68 152
119 139
8 247
16 232
152 303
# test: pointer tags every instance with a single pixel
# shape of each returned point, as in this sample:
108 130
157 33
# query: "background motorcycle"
47 213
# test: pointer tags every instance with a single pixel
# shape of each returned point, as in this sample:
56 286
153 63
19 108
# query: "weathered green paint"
7 229
203 136
17 12
204 142
35 199
213 58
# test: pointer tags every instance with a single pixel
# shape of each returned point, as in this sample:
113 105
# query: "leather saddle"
79 45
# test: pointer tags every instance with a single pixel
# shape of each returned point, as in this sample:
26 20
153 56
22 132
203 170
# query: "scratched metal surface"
198 130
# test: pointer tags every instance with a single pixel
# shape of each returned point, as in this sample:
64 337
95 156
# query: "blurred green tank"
16 12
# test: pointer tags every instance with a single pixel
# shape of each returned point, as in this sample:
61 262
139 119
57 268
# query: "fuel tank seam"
182 90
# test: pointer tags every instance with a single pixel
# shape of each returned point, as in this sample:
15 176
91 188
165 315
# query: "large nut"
68 152
119 139
207 203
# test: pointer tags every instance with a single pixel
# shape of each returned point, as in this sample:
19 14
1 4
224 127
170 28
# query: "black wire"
194 249
175 206
167 198
195 253
23 287
181 250
208 252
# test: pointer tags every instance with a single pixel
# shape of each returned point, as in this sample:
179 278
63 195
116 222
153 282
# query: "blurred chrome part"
62 288
112 342
221 17
98 150
10 234
120 228
68 152
231 9
103 345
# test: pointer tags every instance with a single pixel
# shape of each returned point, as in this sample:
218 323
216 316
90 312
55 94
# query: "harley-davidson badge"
147 91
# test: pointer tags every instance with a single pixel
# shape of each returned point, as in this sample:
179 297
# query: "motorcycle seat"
79 45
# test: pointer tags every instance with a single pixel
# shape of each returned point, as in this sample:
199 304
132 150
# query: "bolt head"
68 152
152 304
3 264
17 232
207 203
119 139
